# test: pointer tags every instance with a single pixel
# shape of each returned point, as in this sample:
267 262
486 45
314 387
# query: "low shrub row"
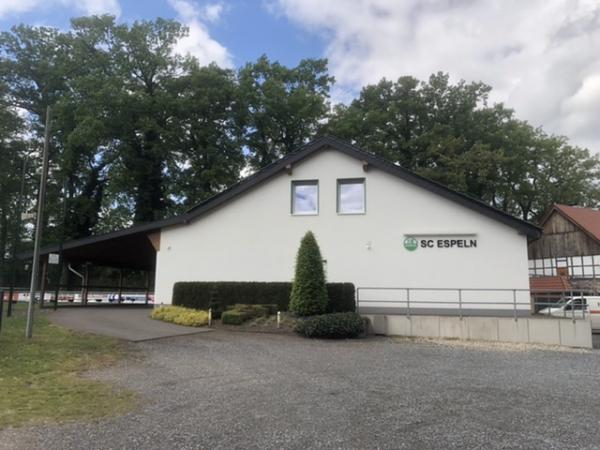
240 313
219 295
332 326
181 316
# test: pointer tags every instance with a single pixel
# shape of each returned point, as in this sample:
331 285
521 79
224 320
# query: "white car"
577 307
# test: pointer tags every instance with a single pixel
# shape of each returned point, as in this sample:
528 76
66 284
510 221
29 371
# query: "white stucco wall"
255 237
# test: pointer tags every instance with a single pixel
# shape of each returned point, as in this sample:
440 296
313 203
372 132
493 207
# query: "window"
305 197
351 196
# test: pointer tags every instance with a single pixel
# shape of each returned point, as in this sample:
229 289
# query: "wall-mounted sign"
411 244
444 241
53 258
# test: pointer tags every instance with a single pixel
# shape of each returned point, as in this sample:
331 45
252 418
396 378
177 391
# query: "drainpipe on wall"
80 276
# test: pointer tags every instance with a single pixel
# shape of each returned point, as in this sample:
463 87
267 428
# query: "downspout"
80 276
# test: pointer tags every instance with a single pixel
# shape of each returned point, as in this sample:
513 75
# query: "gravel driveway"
230 390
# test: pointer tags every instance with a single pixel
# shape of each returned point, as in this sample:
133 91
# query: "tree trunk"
149 196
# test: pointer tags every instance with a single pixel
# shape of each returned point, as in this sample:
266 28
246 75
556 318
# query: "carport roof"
131 247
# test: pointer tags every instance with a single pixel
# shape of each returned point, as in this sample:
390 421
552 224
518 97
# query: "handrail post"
356 299
460 313
583 305
515 303
408 303
573 309
11 293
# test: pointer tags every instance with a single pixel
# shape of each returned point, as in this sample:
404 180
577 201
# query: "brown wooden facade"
562 238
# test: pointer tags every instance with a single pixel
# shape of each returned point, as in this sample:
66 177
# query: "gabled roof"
555 283
586 219
289 160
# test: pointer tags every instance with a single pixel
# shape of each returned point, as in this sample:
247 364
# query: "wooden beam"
155 240
288 169
365 166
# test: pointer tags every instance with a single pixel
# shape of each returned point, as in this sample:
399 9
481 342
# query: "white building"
378 225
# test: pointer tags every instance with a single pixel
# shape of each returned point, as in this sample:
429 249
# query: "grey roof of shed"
527 228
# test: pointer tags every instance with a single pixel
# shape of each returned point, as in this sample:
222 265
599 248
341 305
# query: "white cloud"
12 7
87 7
90 7
212 12
540 56
199 43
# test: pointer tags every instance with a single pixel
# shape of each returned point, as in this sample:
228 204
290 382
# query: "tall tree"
34 67
13 151
284 106
207 136
449 133
145 63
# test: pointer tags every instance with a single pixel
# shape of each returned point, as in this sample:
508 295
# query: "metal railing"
469 301
76 296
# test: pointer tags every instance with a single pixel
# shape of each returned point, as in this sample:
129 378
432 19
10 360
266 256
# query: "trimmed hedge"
219 295
341 297
332 326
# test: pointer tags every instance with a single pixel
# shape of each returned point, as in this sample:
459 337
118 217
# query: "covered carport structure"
132 249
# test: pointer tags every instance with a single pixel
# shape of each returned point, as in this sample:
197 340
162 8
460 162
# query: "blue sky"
540 56
248 28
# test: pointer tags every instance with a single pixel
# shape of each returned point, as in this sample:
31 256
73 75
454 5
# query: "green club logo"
411 244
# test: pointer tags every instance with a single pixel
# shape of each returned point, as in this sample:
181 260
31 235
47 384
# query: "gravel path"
228 390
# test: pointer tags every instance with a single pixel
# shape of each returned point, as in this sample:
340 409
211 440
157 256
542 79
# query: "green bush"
180 316
240 313
219 295
234 317
332 326
309 293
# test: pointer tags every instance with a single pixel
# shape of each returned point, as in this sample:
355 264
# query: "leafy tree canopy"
450 133
140 132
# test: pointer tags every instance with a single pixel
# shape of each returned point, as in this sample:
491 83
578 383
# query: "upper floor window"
305 197
351 196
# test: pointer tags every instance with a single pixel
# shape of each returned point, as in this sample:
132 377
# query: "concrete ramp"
131 324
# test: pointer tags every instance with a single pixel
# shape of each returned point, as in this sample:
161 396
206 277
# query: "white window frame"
292 203
339 184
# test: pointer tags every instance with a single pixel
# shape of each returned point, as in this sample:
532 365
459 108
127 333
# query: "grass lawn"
39 378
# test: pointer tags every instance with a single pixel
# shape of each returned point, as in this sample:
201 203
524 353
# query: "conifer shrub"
309 291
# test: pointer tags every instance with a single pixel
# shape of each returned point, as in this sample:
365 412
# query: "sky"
540 56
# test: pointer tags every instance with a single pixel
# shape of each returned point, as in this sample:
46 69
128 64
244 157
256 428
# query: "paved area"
236 390
130 323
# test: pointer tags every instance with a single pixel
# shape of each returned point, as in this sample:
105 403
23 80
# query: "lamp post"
39 222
